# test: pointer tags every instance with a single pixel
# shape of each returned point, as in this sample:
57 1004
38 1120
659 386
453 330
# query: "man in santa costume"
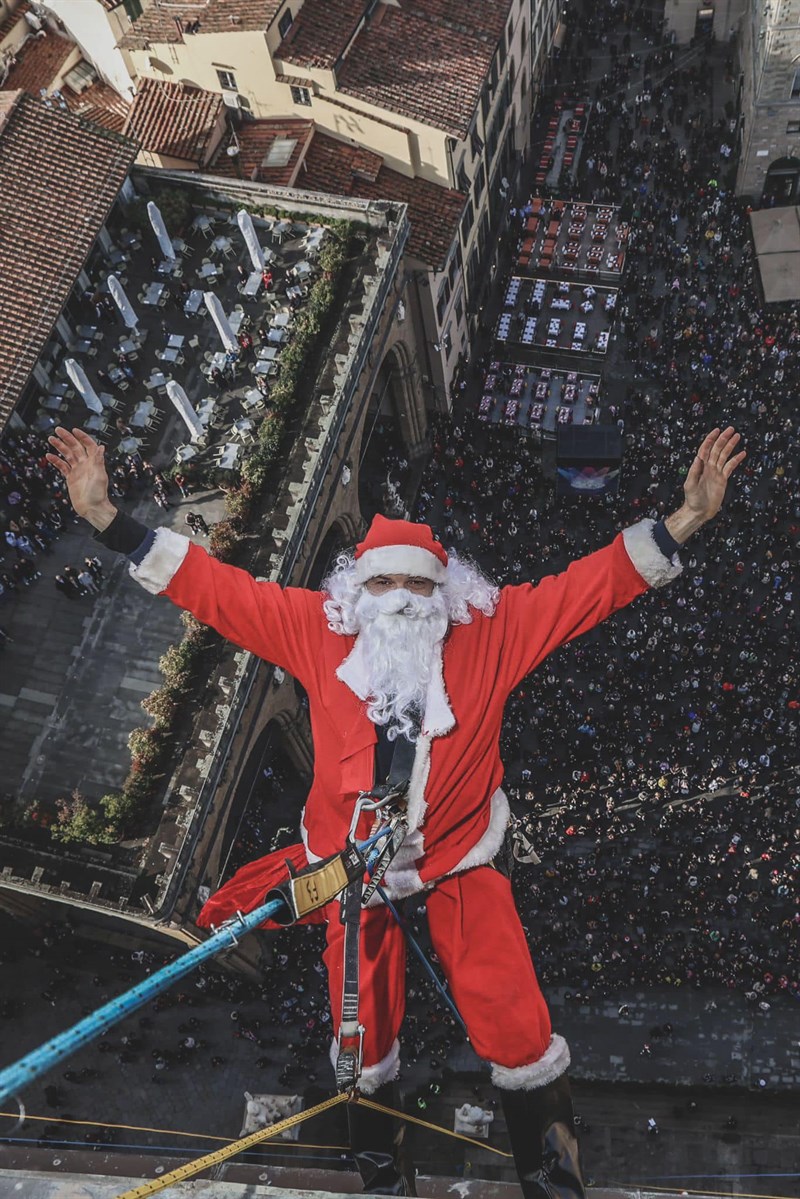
409 643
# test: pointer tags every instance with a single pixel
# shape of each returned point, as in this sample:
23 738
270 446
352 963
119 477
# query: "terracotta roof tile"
101 104
160 25
425 59
434 212
255 139
174 120
38 63
12 18
59 176
321 32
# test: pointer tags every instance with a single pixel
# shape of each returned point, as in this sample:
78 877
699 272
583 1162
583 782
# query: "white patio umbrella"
122 302
160 230
87 393
221 321
250 236
181 402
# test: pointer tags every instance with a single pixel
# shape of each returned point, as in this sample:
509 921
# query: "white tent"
122 302
221 321
160 230
87 393
181 401
251 239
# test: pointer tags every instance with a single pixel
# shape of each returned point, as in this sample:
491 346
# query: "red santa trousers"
479 940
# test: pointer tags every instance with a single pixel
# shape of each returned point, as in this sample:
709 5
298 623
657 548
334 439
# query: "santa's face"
400 632
416 584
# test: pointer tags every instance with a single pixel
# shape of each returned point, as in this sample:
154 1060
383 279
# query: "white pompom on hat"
400 547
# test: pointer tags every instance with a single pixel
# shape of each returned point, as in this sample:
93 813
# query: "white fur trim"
489 845
438 718
353 671
375 1076
551 1065
161 562
655 568
416 805
399 560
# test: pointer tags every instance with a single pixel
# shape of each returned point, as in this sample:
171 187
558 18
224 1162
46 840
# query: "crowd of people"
663 745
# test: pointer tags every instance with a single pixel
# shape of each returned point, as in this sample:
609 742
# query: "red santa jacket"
457 810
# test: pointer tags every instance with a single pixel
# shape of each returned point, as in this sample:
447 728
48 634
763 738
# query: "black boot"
378 1148
541 1129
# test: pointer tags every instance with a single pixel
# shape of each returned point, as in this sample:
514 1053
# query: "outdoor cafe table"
202 222
59 389
229 455
221 244
157 379
253 399
242 427
276 336
153 294
235 319
220 360
266 366
142 414
268 352
129 445
253 284
294 293
184 453
54 403
128 346
193 301
95 422
209 271
175 341
171 354
281 320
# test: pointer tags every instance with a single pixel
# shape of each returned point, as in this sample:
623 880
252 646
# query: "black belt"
351 1031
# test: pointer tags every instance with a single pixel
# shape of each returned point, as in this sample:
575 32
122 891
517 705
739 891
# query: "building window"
455 266
227 80
478 184
475 142
796 86
467 221
133 8
793 127
459 310
441 302
285 23
301 95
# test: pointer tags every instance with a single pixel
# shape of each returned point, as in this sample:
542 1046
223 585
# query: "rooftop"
174 120
216 16
401 50
8 24
99 103
321 32
260 139
346 170
38 63
59 176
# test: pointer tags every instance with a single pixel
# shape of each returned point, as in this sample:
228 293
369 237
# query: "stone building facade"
769 168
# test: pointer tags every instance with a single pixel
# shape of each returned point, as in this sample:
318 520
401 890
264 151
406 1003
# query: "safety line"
172 1132
154 1185
684 1191
448 1132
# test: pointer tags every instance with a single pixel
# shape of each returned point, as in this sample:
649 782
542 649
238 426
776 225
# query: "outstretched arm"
283 625
706 482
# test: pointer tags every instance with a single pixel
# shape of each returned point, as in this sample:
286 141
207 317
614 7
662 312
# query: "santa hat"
398 547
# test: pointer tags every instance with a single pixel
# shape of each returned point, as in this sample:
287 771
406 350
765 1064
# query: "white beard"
400 636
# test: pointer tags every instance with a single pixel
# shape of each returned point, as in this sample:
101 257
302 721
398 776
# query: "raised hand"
80 459
704 488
